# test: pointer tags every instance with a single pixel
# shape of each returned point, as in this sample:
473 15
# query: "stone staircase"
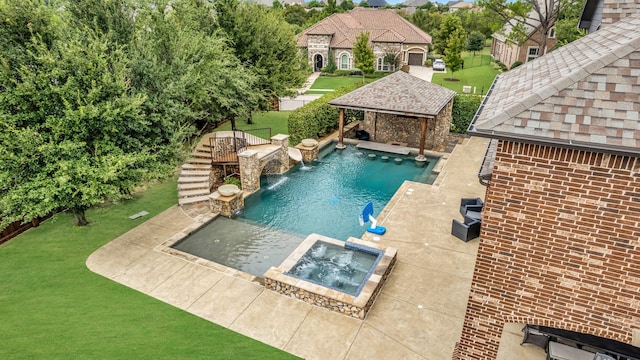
194 183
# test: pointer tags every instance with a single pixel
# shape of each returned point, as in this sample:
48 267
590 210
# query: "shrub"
428 63
464 108
500 66
516 64
342 73
233 180
318 118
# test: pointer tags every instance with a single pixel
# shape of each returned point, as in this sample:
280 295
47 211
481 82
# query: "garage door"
415 59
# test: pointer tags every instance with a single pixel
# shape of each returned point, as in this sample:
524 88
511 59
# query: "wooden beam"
423 137
341 130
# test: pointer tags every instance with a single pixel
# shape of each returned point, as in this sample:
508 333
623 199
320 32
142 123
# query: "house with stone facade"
508 50
560 239
389 33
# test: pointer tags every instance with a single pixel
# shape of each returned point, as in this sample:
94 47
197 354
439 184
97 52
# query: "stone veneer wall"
277 280
318 44
559 247
386 128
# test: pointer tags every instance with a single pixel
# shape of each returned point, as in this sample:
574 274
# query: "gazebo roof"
398 93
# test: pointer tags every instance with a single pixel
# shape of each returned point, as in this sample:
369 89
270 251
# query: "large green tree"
449 26
453 52
522 16
69 126
265 44
363 57
566 23
475 42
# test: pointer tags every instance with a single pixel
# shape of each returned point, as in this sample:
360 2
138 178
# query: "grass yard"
478 72
332 83
276 120
53 307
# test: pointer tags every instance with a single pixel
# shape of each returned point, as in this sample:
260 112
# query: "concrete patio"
418 315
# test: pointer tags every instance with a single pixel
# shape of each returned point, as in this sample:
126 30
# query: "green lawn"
53 307
276 120
478 72
328 83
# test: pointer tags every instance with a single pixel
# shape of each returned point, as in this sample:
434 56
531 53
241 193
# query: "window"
552 33
533 53
344 61
381 65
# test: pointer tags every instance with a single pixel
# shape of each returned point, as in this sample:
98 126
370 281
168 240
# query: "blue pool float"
367 215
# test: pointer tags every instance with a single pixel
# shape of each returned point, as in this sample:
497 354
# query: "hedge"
464 108
317 118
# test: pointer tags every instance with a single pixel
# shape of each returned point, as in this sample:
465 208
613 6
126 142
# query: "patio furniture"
535 337
558 351
467 230
471 204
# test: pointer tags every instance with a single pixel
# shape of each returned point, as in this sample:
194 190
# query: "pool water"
335 267
324 197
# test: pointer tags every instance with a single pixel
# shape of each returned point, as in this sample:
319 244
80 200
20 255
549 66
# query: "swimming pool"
324 197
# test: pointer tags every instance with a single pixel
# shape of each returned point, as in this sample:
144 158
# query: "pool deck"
418 315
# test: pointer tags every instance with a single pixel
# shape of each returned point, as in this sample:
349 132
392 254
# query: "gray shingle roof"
585 94
398 93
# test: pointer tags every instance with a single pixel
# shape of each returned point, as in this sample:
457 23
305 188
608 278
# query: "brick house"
389 33
508 51
560 238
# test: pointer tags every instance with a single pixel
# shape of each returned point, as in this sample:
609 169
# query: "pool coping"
357 306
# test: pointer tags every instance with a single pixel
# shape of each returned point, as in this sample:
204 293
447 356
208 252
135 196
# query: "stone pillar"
226 205
283 156
249 170
309 153
341 130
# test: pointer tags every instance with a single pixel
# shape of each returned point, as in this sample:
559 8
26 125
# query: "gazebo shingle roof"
398 93
585 94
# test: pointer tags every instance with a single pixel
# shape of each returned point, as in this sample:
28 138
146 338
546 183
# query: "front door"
318 62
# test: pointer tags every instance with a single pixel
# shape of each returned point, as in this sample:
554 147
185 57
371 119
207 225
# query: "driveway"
421 72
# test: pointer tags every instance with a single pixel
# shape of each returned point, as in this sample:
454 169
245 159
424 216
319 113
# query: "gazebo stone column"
249 170
281 140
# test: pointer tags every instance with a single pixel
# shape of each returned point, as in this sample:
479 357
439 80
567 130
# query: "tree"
346 5
315 4
475 42
453 52
364 4
70 126
568 17
276 5
522 16
265 43
363 57
449 26
331 64
295 14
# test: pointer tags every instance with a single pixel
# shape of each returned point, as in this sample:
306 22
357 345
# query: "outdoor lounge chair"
470 204
467 230
535 337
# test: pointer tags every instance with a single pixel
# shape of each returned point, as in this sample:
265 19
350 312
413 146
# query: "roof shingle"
382 25
584 94
398 93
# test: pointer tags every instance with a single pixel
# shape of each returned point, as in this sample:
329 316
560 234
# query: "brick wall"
560 247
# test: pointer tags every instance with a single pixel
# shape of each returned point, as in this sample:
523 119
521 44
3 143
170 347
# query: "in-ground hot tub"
341 276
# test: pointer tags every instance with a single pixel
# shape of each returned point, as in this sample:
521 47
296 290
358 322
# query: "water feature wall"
279 280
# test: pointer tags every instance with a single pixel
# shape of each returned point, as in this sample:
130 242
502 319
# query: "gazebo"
397 108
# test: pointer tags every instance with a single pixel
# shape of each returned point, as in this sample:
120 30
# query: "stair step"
194 172
191 200
196 192
193 185
189 166
200 160
192 179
